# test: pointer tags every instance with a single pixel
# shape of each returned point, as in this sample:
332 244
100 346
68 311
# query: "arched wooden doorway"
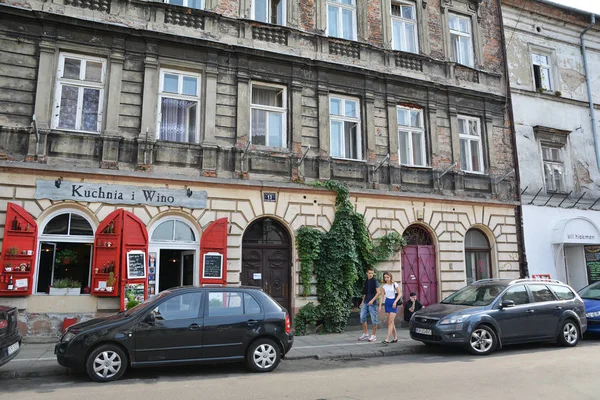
418 266
266 255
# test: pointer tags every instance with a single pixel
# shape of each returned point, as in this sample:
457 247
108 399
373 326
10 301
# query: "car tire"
482 341
263 355
569 334
106 363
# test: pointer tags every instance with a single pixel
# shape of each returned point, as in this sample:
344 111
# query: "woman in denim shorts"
393 298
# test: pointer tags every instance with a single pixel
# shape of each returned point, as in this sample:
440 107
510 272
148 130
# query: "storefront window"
65 255
174 231
477 256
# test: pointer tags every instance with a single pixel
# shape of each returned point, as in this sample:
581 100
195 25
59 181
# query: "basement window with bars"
553 169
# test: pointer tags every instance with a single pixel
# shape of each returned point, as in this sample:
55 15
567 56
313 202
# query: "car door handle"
252 322
530 311
194 327
558 308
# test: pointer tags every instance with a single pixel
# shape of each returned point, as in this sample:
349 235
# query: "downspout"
523 268
589 89
37 137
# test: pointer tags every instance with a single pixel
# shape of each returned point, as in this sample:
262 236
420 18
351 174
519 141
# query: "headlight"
458 319
68 336
593 314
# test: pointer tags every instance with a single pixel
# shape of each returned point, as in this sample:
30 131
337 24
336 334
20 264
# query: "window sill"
419 167
474 173
347 159
272 149
81 132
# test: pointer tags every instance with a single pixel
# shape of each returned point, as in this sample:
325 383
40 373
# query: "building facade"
557 144
182 136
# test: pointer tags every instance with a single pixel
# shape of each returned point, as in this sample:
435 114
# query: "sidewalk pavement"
35 359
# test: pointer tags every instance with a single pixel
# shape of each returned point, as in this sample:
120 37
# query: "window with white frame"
411 137
404 27
461 39
341 19
269 11
471 146
553 169
79 93
541 71
345 139
268 115
198 4
178 106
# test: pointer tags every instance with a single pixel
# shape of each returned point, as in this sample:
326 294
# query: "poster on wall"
151 274
592 263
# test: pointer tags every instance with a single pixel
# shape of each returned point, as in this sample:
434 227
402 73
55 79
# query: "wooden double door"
266 259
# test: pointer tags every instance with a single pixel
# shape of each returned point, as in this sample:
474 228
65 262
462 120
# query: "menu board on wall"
213 265
592 263
136 265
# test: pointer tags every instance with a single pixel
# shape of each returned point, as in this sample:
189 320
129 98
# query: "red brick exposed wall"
375 23
308 15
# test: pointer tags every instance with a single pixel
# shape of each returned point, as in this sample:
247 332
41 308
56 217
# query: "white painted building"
556 144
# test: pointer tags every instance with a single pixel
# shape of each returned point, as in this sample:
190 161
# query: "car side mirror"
150 318
507 304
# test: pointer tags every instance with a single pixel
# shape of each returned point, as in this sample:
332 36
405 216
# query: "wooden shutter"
214 240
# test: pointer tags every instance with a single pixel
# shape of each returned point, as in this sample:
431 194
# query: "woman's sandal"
385 342
394 341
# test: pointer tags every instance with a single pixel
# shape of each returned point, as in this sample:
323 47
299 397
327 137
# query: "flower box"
65 291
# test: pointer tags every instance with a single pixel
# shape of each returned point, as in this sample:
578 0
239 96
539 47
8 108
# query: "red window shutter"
214 240
107 254
135 238
20 236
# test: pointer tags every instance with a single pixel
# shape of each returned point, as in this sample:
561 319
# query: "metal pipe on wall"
589 89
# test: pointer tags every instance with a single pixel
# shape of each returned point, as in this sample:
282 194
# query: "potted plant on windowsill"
65 287
66 257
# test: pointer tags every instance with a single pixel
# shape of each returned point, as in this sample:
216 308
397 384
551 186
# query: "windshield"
591 292
475 295
149 300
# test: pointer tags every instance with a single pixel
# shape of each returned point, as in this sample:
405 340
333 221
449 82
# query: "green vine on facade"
338 259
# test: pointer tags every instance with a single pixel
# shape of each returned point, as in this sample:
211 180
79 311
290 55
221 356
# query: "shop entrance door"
266 259
175 268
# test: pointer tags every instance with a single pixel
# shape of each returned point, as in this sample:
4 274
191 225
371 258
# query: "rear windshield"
267 301
475 295
591 292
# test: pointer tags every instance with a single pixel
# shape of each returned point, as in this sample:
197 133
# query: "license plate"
12 348
423 331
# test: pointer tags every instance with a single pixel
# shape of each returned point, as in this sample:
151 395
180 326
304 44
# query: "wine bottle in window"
11 286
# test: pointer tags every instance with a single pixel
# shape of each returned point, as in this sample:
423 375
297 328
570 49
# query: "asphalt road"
542 371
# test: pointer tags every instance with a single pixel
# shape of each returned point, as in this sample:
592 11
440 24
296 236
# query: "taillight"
4 323
288 327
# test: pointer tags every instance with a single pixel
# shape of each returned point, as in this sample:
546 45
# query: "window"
411 137
404 27
541 293
269 11
341 19
178 106
553 169
471 148
541 71
174 231
221 304
79 93
268 115
461 40
477 256
183 306
562 292
345 128
518 294
198 4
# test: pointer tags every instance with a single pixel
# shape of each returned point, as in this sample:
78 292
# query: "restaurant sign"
119 194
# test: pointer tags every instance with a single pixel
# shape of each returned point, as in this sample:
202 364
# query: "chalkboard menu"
213 265
592 263
136 265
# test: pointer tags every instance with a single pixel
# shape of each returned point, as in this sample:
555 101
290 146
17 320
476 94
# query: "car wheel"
569 334
482 341
106 363
263 355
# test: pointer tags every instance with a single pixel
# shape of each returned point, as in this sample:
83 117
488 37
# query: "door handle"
530 311
558 308
194 327
252 322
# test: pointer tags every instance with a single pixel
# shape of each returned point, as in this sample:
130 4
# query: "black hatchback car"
492 313
183 325
10 338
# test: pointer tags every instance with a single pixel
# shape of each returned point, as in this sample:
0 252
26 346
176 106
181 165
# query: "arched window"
173 231
417 236
266 231
477 256
65 255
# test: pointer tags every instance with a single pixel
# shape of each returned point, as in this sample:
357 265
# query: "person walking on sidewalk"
393 298
367 306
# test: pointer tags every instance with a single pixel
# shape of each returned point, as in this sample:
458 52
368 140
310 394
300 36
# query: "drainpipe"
589 89
523 267
37 137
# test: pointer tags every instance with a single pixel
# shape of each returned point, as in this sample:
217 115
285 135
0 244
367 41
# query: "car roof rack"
545 280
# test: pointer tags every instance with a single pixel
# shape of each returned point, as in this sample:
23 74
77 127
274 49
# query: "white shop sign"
119 194
577 231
